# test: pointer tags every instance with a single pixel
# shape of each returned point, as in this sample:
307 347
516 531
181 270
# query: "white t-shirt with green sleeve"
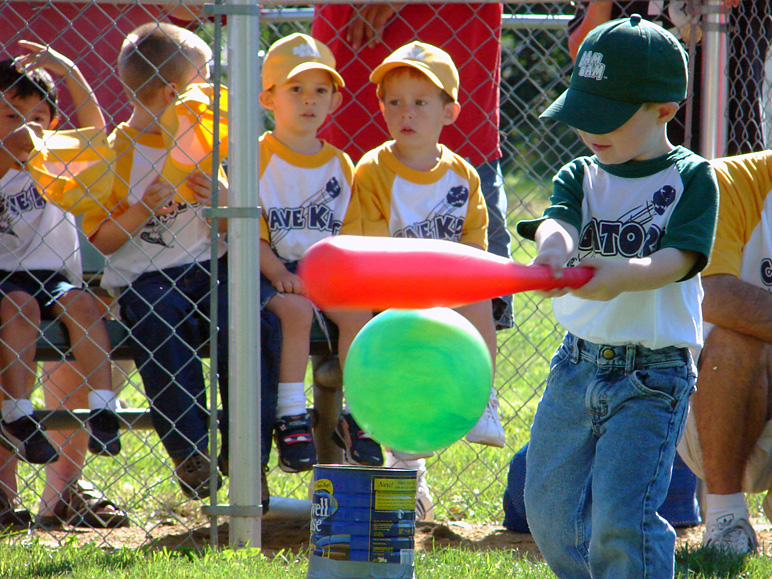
633 210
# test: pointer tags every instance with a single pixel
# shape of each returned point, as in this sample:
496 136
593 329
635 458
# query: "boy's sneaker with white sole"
732 534
488 430
295 443
358 446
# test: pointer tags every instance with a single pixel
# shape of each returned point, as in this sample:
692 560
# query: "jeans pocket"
561 355
670 383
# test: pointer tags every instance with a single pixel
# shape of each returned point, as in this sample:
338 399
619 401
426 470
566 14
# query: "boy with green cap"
642 214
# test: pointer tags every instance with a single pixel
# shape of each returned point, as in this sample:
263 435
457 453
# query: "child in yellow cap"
305 193
412 186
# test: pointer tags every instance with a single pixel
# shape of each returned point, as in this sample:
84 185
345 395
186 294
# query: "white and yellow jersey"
743 246
397 201
179 238
305 198
35 233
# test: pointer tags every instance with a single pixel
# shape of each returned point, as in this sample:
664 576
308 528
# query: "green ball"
418 380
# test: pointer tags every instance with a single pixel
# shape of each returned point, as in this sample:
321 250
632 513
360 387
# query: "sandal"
10 515
83 505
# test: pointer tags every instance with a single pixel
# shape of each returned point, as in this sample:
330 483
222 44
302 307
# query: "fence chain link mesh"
139 486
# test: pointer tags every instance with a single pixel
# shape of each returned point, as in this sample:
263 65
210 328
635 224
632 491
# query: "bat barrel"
377 273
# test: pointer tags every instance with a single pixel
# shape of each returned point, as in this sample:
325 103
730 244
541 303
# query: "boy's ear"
336 100
666 112
450 113
54 122
170 92
266 99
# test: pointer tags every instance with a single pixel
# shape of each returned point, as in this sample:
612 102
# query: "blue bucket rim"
370 469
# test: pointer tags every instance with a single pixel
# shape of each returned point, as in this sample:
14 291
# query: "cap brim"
336 77
590 113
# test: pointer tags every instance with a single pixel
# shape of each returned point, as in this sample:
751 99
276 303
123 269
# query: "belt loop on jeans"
629 358
574 349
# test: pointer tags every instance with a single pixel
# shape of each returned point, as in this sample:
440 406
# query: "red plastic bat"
377 273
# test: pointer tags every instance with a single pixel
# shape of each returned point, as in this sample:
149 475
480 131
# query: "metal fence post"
715 86
244 289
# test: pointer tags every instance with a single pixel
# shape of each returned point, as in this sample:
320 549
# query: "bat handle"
576 277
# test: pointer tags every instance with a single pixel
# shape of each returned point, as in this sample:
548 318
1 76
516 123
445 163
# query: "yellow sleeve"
373 194
265 233
475 229
73 168
744 182
352 221
116 201
189 126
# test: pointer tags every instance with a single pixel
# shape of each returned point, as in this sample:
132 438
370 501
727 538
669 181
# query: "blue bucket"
362 523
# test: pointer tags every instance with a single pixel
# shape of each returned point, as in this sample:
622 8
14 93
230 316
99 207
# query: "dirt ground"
293 535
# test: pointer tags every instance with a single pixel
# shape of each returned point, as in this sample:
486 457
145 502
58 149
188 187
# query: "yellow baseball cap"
430 60
292 55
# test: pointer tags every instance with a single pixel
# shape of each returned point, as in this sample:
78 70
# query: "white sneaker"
424 506
735 535
488 429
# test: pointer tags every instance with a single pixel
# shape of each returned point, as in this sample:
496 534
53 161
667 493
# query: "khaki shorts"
758 475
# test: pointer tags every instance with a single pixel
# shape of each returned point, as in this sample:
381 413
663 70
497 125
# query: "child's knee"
292 309
18 308
84 309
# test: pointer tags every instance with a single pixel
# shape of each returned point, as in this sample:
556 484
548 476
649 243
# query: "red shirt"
89 34
470 33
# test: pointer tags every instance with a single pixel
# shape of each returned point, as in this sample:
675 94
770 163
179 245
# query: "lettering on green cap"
591 65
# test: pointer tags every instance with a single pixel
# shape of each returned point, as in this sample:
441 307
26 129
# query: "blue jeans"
164 311
492 186
612 414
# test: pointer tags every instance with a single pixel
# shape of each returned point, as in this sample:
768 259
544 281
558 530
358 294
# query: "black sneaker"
25 437
295 443
103 425
359 447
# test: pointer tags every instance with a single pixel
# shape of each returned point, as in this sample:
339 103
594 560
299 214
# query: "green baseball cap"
620 65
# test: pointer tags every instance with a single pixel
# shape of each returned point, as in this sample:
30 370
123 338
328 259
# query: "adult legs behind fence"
725 443
492 186
66 498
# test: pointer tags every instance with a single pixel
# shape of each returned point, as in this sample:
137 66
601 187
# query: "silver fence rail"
135 498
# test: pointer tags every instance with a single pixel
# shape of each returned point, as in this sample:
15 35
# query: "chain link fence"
136 497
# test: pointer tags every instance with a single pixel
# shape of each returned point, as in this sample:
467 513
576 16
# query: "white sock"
725 508
99 399
15 409
292 399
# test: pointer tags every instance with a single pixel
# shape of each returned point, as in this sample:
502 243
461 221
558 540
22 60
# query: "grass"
36 561
81 562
